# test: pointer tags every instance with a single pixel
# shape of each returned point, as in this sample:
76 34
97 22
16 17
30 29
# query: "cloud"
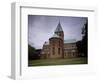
41 28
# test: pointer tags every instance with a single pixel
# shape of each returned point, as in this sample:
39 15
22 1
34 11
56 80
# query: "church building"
57 47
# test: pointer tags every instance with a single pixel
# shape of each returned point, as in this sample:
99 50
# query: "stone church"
57 47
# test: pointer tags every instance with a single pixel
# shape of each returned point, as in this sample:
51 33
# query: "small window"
59 42
53 50
73 54
58 50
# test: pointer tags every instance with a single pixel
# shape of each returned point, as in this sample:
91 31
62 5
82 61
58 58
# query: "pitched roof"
46 43
59 28
70 41
55 36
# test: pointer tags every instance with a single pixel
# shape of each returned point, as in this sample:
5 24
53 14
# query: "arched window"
59 43
53 50
58 50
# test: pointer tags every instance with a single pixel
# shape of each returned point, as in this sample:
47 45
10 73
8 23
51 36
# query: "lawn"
47 62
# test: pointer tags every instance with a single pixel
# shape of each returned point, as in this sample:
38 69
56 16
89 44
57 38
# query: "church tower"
56 46
59 31
57 43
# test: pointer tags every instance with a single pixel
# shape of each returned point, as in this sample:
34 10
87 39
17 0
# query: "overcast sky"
41 28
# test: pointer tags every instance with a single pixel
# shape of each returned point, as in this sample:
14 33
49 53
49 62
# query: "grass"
47 62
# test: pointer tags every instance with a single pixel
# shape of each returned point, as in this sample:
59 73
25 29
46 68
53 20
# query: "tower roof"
59 28
70 41
55 36
46 43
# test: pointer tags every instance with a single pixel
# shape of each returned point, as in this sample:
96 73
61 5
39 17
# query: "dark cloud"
41 28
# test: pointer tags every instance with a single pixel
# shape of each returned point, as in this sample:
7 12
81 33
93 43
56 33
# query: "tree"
85 39
82 45
79 47
31 51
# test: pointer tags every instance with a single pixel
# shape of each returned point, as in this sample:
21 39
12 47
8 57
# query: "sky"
41 28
